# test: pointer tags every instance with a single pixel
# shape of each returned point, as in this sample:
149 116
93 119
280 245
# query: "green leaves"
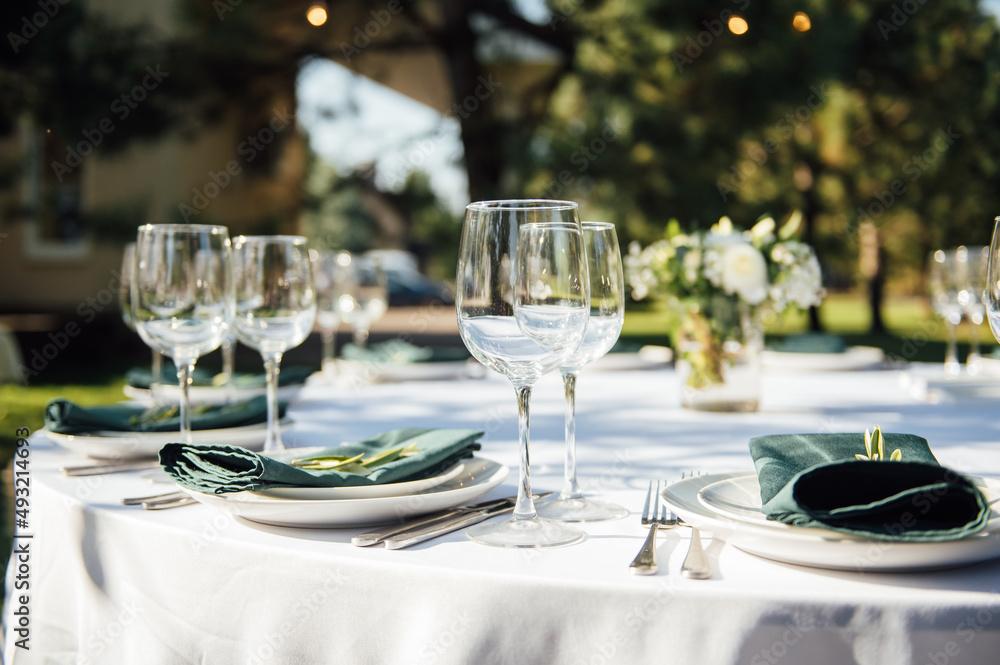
353 463
875 448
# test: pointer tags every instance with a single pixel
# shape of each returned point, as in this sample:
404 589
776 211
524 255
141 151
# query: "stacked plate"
728 504
334 507
122 446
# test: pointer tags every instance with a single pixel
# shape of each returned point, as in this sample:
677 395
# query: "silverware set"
655 515
411 532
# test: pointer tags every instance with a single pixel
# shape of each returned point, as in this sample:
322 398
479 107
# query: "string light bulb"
801 21
317 14
738 25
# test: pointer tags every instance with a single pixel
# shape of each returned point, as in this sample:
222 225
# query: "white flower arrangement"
757 267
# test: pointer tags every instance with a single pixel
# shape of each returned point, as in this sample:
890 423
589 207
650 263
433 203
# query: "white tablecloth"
111 584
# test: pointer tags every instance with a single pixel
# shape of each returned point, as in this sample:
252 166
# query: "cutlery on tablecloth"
107 467
153 498
654 515
412 532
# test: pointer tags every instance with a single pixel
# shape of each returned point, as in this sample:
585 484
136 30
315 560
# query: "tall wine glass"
944 286
975 260
992 294
125 305
370 290
182 295
522 301
275 306
332 275
607 313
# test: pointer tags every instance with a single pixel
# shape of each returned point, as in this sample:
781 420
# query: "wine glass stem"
272 363
157 368
571 488
973 341
951 352
361 337
329 350
524 509
228 364
184 371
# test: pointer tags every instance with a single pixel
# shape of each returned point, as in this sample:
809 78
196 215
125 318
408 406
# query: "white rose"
744 272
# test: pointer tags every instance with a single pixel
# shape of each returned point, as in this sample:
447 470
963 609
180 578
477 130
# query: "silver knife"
378 535
440 528
107 467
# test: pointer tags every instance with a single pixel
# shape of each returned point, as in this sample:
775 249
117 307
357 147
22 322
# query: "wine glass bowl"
522 303
332 277
275 306
945 283
369 288
182 295
604 325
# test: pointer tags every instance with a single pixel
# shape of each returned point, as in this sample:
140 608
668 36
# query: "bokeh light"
738 25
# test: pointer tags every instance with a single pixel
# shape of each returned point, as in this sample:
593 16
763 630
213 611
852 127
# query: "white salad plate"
373 372
852 359
478 476
728 505
359 492
122 446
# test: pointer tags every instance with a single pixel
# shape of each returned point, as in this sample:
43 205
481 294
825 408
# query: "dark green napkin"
399 352
809 343
65 417
221 469
815 480
292 375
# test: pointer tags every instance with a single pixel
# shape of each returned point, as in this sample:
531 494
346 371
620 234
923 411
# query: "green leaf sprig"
358 464
875 447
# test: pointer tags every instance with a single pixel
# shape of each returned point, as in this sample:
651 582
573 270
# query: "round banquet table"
113 584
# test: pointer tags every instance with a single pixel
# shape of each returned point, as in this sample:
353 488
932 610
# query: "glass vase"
719 344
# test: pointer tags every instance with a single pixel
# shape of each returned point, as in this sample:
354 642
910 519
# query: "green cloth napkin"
398 352
815 480
221 469
810 343
292 375
64 417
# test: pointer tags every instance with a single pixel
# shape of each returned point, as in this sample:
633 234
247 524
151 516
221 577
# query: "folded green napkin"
65 417
221 469
291 375
398 352
815 480
810 343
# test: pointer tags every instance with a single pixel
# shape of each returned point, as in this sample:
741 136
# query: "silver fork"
695 564
654 515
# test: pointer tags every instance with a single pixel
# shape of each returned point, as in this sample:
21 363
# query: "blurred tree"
882 115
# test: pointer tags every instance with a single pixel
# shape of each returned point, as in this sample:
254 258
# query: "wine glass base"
581 510
536 532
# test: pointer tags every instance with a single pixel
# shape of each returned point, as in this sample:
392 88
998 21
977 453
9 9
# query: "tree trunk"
871 260
473 90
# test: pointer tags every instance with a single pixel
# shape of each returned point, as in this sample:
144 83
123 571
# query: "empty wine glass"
522 301
275 306
992 294
975 261
370 291
332 275
944 284
607 313
125 305
182 295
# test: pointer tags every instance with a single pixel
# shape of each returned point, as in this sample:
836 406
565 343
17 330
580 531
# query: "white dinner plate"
478 477
360 492
207 394
139 445
648 357
722 510
370 372
853 358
